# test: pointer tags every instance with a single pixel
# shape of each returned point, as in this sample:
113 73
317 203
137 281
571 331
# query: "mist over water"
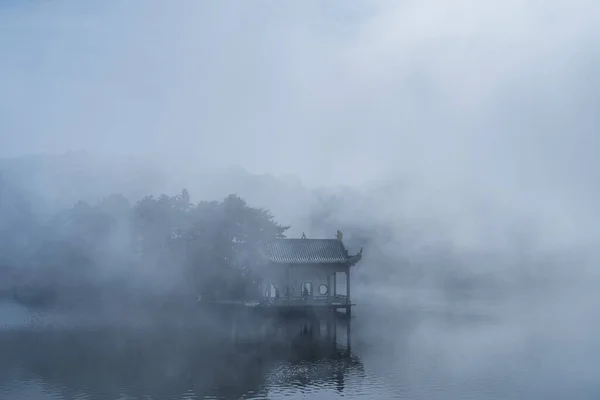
423 351
456 142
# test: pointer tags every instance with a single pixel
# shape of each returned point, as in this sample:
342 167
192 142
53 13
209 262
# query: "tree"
222 243
159 246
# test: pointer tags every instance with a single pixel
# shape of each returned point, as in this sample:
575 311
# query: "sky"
491 101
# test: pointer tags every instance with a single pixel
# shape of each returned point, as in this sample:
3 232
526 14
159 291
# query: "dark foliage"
158 247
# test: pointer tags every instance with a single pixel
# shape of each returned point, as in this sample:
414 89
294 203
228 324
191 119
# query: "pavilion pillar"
289 286
334 284
348 298
348 285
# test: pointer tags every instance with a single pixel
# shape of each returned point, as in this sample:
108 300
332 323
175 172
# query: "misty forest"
62 244
158 246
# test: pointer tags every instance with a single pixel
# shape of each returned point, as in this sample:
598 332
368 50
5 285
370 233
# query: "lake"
414 349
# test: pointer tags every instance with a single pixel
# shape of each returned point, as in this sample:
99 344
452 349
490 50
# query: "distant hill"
55 181
61 180
400 246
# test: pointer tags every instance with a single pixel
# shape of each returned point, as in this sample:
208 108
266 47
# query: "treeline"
159 246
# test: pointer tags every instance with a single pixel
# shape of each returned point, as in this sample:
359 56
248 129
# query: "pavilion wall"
317 274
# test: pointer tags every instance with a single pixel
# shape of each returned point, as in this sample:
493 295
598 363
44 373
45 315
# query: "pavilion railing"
317 299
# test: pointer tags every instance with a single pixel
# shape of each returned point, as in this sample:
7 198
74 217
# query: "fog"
464 127
455 141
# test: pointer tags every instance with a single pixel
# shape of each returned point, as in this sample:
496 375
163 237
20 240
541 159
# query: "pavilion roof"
309 251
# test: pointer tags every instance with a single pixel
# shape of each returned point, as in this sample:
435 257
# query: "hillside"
405 244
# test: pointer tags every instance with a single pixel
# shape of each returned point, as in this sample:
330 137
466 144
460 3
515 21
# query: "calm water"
435 351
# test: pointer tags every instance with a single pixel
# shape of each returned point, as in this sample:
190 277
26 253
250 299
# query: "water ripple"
49 355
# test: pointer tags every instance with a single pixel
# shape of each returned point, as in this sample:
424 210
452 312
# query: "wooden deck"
315 301
285 303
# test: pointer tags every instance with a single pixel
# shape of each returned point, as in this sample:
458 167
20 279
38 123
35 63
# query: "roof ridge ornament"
303 235
339 235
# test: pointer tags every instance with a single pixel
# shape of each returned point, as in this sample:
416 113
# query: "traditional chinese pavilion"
308 273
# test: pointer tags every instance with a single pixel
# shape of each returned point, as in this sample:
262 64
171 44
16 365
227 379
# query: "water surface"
416 351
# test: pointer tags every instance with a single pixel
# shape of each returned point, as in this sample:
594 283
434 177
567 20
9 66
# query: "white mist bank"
465 134
408 245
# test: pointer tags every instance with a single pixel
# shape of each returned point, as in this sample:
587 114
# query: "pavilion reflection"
116 362
321 346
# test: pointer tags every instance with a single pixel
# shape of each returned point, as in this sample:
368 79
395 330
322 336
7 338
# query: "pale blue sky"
482 92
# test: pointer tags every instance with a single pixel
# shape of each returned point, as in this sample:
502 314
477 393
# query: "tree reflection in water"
232 358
